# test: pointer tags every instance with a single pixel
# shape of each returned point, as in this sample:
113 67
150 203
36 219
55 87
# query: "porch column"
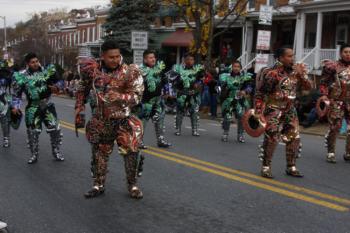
244 44
318 40
299 36
178 55
249 43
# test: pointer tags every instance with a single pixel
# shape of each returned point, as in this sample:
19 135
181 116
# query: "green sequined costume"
188 87
37 87
234 101
152 106
5 102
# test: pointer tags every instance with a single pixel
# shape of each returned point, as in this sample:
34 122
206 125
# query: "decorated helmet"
254 126
322 106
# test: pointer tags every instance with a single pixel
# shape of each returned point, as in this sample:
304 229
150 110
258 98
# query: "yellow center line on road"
249 175
253 183
229 176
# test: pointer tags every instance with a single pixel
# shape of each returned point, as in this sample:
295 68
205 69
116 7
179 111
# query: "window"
251 5
342 34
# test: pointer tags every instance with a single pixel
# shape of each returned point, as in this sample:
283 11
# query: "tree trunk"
211 35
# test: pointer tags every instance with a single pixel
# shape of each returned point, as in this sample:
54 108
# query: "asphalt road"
199 185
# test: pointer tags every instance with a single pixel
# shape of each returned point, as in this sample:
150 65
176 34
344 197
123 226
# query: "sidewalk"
317 129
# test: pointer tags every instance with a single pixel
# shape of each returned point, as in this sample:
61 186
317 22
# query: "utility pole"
5 36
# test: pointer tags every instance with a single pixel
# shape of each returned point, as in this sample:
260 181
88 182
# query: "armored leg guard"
240 131
33 141
292 148
130 163
99 162
331 138
268 149
56 141
142 145
178 122
5 126
195 123
160 135
226 127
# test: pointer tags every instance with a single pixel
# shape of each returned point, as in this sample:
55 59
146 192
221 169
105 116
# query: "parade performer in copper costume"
335 91
274 102
113 89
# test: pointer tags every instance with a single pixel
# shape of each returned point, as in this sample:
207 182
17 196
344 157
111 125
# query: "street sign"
265 16
263 40
138 57
139 40
262 60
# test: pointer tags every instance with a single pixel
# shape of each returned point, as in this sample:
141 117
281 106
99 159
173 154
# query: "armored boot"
240 131
130 163
347 149
99 169
330 140
142 146
195 124
6 142
330 158
5 125
300 149
56 139
292 148
346 157
268 148
226 127
33 141
160 136
178 123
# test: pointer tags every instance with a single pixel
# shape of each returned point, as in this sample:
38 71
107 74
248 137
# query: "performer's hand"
242 93
54 89
192 92
300 69
16 111
79 120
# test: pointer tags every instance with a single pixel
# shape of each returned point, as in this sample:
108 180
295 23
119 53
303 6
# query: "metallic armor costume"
274 98
38 87
5 103
152 106
234 102
112 95
335 84
187 82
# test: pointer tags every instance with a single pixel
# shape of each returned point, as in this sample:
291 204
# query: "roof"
323 5
179 38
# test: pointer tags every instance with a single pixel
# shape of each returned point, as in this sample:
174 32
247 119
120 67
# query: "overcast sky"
17 10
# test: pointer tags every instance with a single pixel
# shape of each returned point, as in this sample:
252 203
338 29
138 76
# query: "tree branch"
232 11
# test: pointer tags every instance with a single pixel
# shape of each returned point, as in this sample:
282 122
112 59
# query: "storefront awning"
179 38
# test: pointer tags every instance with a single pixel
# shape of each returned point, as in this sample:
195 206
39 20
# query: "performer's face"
34 64
112 58
150 60
236 68
287 59
189 61
345 54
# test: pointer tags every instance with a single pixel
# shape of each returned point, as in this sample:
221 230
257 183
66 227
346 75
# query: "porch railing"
309 56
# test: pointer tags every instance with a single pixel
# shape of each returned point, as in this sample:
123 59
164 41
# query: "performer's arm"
328 76
265 84
133 95
18 89
53 81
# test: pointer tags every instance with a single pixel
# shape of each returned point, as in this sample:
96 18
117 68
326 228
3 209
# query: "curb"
218 119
